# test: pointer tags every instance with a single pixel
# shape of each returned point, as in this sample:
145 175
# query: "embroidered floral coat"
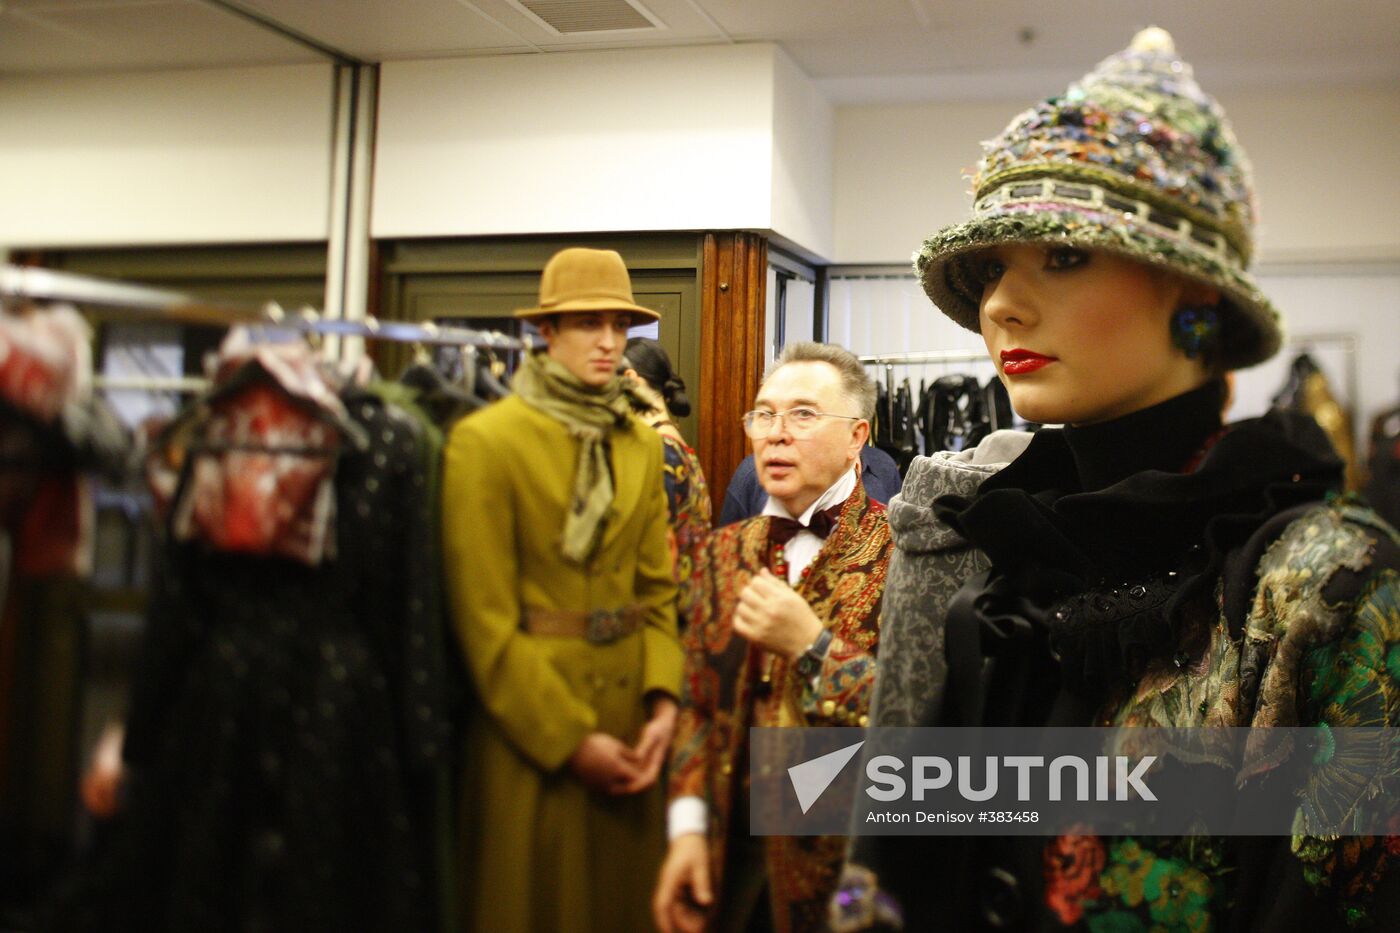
1321 647
730 685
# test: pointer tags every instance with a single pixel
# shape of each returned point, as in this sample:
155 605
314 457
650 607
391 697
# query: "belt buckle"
604 626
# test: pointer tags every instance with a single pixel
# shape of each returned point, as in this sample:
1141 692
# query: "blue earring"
1195 329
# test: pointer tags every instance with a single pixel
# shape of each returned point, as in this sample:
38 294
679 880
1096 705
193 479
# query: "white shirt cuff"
686 815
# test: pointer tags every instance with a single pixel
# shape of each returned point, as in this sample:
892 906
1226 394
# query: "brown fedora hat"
579 279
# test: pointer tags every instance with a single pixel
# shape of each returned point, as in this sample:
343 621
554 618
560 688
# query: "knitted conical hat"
1134 159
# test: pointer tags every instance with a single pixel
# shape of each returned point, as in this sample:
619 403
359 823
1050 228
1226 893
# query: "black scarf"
1115 528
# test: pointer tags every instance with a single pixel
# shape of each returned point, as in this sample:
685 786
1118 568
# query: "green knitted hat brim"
1251 329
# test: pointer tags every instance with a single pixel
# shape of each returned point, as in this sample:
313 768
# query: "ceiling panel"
1249 40
52 37
680 24
376 30
856 50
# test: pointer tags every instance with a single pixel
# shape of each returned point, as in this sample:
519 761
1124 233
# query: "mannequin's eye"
1065 258
986 269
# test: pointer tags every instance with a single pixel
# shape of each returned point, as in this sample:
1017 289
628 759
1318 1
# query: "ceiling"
857 50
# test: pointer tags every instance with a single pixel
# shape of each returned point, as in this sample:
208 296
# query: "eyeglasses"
800 421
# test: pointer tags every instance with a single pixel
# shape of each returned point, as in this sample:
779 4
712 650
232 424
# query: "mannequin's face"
589 344
1080 337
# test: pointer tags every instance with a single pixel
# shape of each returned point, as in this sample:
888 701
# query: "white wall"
1325 162
654 139
804 129
218 155
898 173
1326 169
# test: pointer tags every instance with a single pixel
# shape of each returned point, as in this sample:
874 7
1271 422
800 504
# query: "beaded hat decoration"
1133 159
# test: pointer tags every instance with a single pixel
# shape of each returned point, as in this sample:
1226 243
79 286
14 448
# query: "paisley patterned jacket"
730 685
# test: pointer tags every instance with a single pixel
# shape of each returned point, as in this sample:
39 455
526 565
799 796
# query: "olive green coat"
538 851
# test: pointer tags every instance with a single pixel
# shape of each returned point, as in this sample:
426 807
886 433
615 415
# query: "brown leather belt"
599 627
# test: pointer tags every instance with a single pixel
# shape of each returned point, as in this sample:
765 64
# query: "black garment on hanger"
908 439
285 722
1290 396
957 414
998 403
1383 488
894 425
444 401
884 419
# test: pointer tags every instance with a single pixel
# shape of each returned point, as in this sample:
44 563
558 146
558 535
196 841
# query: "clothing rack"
48 285
890 360
185 385
931 356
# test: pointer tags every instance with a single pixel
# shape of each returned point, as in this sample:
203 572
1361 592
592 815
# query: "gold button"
829 708
864 721
726 768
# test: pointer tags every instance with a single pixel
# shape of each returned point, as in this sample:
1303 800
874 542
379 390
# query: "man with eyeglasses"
783 633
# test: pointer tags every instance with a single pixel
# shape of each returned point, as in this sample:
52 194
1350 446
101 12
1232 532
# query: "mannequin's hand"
771 614
654 743
605 764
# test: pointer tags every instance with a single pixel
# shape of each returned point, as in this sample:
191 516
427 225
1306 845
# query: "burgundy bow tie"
782 530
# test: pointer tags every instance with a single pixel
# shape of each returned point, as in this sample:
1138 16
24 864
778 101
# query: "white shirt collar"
836 493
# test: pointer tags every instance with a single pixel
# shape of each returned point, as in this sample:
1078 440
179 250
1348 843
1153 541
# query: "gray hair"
856 384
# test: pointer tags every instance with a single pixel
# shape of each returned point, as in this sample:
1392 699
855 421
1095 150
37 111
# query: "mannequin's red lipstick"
1018 362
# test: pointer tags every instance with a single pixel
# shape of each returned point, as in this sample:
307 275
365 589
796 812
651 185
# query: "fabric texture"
588 414
929 562
690 509
731 686
538 851
1285 617
1132 159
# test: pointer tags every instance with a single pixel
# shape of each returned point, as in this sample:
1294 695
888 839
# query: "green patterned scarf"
544 383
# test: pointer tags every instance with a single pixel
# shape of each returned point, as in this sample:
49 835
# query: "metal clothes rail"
18 282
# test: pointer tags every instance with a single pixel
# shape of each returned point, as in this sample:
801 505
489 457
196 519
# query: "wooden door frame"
734 273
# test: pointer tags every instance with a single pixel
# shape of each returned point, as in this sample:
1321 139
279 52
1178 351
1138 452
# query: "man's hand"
683 895
605 764
654 743
772 615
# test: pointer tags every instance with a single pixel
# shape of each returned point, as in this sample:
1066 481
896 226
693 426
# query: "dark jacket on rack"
1183 576
286 720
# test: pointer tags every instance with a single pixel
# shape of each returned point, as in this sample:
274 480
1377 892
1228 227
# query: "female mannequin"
659 394
1176 572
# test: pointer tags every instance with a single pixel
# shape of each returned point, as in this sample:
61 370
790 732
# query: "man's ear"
860 435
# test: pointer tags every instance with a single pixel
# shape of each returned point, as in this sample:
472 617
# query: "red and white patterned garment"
45 368
262 476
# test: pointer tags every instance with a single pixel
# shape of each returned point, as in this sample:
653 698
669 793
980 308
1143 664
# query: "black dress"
286 719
